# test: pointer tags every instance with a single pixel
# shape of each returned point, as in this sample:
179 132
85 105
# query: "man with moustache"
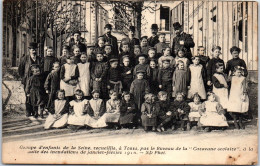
181 39
154 39
110 39
24 70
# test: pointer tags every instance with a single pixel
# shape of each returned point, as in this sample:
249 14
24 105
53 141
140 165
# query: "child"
125 51
98 75
78 116
65 53
113 110
236 61
220 86
211 66
238 98
161 45
84 75
180 80
142 66
95 111
151 55
100 44
35 91
181 56
51 84
198 78
138 89
164 116
195 107
114 76
127 73
144 45
108 52
91 53
69 74
49 59
59 112
76 52
153 81
212 114
149 112
166 55
165 76
203 58
181 109
127 111
137 53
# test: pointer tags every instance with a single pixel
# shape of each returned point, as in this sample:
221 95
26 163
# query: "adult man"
131 40
154 39
109 38
181 40
77 40
24 70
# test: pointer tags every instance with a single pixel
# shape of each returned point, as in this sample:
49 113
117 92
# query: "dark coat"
231 64
183 105
81 45
25 65
152 41
127 114
211 67
113 41
188 44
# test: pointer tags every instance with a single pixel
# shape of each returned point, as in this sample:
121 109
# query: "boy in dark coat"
126 73
114 77
52 85
35 91
165 75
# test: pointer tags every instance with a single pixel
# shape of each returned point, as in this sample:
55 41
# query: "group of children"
147 87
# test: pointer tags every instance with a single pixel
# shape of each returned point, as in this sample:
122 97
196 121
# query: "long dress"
180 81
95 118
219 81
196 82
127 112
149 109
60 115
238 88
69 72
113 111
194 114
84 78
138 89
211 116
79 109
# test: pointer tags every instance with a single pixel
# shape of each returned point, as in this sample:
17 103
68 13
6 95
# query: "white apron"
221 93
84 78
69 71
196 84
96 121
236 104
211 116
59 122
78 118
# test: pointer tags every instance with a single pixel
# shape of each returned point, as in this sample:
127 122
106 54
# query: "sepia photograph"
129 82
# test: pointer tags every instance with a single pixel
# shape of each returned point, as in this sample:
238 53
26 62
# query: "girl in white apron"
220 86
212 113
197 73
238 98
69 77
84 75
59 112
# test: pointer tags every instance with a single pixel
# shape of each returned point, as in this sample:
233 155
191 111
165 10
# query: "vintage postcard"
130 82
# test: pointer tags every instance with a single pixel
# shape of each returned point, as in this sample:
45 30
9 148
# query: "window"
119 23
164 18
